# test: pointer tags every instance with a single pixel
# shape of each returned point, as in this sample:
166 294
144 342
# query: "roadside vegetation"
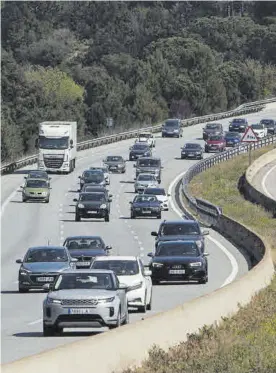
137 62
245 342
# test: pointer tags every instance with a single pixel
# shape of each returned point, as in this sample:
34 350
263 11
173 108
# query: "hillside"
137 62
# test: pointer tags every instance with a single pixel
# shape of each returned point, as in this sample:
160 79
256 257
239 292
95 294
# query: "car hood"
176 259
146 182
36 190
91 204
258 130
187 150
232 139
211 130
87 252
171 129
238 124
82 294
216 142
181 238
93 182
115 163
138 151
146 204
46 266
130 280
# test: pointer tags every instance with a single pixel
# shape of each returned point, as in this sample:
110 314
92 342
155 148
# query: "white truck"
57 146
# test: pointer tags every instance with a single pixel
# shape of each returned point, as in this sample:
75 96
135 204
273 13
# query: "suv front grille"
79 302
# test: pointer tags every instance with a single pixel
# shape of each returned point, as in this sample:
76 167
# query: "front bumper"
80 316
237 129
90 213
191 155
170 134
136 298
213 148
191 274
146 212
33 281
116 169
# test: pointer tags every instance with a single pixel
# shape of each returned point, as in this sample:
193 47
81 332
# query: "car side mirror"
110 195
130 203
109 199
19 261
150 255
205 233
75 200
147 272
47 287
108 247
21 186
154 234
168 195
50 178
134 178
25 177
74 260
206 254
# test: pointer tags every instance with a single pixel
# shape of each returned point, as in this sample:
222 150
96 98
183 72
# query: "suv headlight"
199 244
54 301
196 264
106 300
24 272
80 206
44 193
137 286
103 206
157 265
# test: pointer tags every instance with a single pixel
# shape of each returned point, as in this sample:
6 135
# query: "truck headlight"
103 206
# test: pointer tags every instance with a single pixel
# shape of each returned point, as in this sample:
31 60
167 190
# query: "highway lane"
25 225
265 179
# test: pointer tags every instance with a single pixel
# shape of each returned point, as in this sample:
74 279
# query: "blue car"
232 138
145 205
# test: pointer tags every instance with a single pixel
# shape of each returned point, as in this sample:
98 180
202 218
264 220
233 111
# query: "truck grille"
79 302
53 162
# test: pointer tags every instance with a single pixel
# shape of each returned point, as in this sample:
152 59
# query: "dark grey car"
212 129
172 128
139 150
270 124
115 163
41 265
92 205
192 150
149 165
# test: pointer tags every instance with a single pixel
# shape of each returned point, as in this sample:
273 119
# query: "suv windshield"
267 122
119 267
100 169
46 255
238 121
36 184
179 249
145 198
155 191
139 147
179 229
192 146
172 123
148 163
84 281
232 134
93 197
212 126
84 243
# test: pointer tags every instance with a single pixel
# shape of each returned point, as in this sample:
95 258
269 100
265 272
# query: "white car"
161 195
105 171
146 137
131 272
260 130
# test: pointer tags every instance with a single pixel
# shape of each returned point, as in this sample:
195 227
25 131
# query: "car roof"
107 271
46 247
116 257
171 222
80 237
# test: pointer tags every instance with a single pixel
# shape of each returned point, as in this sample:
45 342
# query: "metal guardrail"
243 109
201 206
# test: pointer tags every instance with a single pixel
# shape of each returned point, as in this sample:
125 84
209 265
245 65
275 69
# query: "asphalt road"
265 180
25 225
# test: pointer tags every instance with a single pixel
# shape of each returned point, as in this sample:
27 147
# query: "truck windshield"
53 143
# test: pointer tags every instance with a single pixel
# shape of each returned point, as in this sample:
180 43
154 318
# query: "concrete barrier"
252 192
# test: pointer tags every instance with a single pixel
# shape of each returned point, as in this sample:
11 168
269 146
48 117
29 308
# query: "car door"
147 280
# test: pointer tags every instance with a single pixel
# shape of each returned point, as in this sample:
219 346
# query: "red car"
215 143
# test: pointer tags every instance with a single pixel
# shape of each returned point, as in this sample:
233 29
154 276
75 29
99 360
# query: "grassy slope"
244 343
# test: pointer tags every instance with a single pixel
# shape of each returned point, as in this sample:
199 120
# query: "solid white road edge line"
232 259
264 182
35 322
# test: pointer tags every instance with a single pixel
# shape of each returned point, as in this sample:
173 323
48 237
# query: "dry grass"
246 342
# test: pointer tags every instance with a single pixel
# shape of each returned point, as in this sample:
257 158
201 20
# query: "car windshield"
38 175
155 191
232 134
142 177
96 176
100 169
144 198
179 229
46 255
84 243
92 197
179 249
114 159
91 189
267 122
212 126
238 121
139 147
215 138
119 267
36 184
192 146
257 126
148 163
87 281
172 123
146 135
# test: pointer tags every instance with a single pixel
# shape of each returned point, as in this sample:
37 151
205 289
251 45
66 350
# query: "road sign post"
249 137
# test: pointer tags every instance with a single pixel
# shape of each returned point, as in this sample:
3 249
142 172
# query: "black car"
179 261
85 249
93 177
149 165
92 205
172 128
270 124
192 150
145 205
90 188
180 230
212 129
139 150
238 125
115 163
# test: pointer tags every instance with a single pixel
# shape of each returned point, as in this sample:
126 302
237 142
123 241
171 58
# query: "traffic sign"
249 135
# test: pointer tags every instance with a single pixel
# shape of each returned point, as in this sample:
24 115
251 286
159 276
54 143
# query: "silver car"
85 298
144 181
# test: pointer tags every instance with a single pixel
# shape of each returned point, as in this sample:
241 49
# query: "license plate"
190 155
92 212
113 168
82 264
45 279
177 271
146 212
80 311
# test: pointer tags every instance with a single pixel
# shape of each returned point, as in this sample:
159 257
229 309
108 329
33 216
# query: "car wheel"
22 290
77 217
48 331
47 200
159 216
106 218
143 309
126 321
24 199
149 306
118 323
204 280
155 282
59 330
132 216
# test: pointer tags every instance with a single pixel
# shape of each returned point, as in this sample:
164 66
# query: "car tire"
118 324
24 199
22 290
143 309
77 217
106 218
182 157
132 216
203 280
48 331
149 306
159 216
126 321
47 200
155 282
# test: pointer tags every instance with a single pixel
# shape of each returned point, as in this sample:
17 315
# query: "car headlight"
155 208
54 301
137 286
196 264
106 300
80 206
103 206
120 165
24 272
157 265
199 244
197 152
175 130
44 193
